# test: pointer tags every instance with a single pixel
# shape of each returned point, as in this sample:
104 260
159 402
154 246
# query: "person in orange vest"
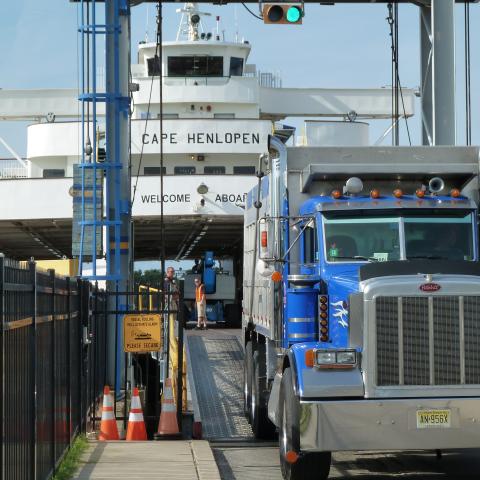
201 304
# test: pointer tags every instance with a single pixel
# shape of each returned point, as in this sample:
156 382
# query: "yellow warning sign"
142 332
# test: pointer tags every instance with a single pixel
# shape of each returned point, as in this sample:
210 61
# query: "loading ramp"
215 376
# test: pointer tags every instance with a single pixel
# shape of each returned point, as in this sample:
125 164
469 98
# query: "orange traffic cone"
108 426
168 426
136 426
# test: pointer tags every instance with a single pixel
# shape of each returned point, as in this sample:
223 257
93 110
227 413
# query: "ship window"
244 170
153 170
184 170
214 170
53 173
153 66
236 67
195 66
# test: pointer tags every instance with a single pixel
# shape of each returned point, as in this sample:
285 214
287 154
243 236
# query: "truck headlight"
330 358
325 357
347 357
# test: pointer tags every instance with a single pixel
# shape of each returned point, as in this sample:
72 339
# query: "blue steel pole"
82 146
94 135
117 15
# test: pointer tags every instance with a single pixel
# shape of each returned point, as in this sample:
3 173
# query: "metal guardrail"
12 168
47 370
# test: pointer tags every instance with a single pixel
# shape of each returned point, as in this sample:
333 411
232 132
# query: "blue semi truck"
361 302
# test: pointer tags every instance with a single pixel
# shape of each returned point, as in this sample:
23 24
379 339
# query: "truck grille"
430 340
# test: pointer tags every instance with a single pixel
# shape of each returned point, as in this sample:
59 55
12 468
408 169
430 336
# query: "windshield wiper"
428 257
357 257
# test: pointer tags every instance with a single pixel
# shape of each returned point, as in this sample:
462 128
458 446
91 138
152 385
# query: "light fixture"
202 189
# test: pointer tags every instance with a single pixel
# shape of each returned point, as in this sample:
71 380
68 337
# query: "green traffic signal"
278 13
293 14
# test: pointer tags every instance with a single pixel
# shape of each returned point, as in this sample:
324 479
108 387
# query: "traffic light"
281 13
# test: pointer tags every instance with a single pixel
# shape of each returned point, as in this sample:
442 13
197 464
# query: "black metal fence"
49 372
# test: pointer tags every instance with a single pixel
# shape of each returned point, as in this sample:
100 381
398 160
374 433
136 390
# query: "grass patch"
70 463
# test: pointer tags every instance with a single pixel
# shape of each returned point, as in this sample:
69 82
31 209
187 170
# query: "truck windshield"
439 237
434 235
362 238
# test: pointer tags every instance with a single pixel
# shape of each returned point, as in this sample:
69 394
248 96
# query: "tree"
152 278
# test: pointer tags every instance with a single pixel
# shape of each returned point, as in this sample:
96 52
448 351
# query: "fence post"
69 360
32 267
51 274
94 332
2 364
78 339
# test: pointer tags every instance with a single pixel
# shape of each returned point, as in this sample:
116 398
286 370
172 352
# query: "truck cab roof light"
336 194
420 193
375 193
455 192
397 193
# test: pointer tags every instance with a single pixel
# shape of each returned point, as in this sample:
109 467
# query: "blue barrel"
302 317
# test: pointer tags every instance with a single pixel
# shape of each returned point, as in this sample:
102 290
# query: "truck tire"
247 379
262 427
309 466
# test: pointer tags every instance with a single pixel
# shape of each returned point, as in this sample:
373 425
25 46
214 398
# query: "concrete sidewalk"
169 460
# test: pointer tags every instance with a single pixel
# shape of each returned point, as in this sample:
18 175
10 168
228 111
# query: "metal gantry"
114 220
114 223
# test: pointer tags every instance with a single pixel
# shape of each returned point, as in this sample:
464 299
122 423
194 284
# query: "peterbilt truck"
361 302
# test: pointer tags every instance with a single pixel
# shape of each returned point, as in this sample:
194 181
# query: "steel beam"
426 75
443 78
437 65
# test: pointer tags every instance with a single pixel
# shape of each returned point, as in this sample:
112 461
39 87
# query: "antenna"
148 23
235 13
190 21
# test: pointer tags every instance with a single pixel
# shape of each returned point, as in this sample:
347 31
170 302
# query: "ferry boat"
217 113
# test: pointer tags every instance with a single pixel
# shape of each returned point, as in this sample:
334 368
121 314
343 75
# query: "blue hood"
342 280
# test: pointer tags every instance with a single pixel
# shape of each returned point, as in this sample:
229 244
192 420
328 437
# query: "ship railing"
12 168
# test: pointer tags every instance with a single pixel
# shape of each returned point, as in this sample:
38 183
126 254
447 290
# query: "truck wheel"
309 466
262 427
247 379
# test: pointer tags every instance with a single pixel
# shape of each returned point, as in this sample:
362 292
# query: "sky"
336 46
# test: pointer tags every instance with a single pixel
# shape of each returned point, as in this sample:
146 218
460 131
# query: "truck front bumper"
341 425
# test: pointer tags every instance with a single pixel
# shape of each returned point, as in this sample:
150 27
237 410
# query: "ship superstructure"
216 115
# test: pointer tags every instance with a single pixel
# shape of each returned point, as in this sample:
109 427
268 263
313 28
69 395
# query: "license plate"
433 419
